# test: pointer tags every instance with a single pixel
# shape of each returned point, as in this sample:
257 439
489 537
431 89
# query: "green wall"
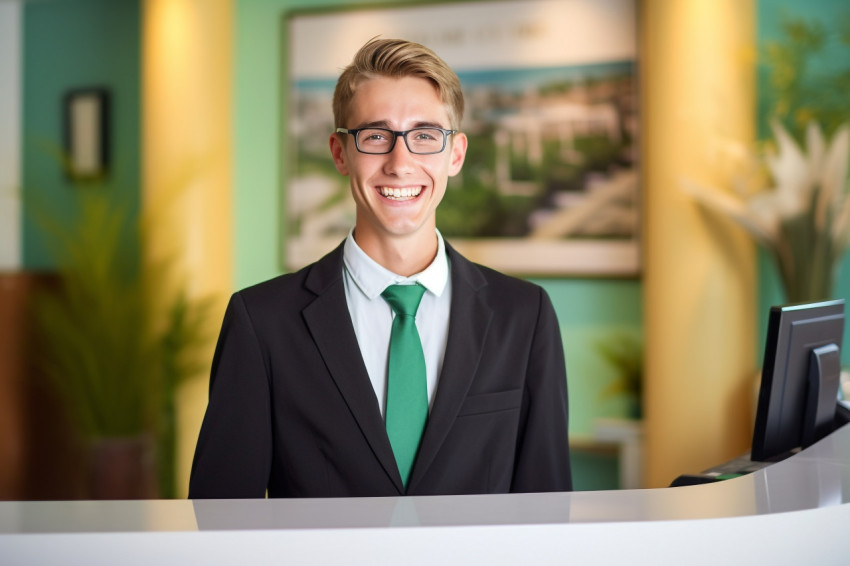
831 14
67 45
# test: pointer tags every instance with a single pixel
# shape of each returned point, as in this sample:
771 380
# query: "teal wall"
835 56
69 45
592 312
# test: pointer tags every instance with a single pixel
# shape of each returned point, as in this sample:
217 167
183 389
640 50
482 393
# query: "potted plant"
794 202
791 194
117 344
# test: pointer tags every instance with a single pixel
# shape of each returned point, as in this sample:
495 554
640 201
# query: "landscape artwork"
550 183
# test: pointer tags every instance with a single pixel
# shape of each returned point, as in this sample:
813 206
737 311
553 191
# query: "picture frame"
550 186
86 133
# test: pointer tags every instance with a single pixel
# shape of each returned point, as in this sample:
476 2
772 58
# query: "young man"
324 385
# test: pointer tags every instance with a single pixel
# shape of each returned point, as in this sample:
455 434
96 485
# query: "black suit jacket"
292 411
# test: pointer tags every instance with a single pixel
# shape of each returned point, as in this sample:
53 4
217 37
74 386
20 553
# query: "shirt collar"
372 278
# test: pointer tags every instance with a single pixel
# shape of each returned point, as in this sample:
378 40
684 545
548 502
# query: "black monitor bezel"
775 438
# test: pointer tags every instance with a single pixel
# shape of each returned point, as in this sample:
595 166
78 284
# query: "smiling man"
393 365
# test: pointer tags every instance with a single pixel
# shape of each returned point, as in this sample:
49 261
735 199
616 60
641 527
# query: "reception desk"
794 512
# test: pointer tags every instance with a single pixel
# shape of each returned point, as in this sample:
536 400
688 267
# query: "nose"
400 159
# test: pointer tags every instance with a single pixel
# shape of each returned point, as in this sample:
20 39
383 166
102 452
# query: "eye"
374 136
426 135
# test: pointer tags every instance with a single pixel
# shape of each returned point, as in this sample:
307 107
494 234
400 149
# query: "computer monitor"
800 378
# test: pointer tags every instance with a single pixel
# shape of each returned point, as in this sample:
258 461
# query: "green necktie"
407 393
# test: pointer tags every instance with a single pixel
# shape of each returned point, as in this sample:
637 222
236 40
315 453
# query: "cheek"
360 173
442 173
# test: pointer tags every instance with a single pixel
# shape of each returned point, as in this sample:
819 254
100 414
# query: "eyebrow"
386 125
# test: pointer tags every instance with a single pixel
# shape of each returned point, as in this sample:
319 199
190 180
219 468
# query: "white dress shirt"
372 316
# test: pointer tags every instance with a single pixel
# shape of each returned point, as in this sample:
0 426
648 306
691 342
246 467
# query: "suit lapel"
330 325
470 321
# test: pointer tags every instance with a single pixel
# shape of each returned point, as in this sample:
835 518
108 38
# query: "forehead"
399 102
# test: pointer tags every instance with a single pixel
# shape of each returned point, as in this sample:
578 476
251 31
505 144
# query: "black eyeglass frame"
396 134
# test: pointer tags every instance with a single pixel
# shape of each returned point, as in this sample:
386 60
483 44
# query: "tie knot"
404 299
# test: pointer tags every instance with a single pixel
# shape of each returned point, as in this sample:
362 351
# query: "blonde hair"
397 58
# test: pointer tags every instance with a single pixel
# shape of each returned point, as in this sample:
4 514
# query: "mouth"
400 193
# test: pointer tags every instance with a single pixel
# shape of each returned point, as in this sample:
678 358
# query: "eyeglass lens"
419 140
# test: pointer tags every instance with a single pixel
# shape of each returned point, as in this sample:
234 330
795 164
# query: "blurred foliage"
467 212
793 200
623 350
118 338
473 208
808 73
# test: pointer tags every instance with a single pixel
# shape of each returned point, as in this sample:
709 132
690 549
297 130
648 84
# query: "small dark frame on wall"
86 133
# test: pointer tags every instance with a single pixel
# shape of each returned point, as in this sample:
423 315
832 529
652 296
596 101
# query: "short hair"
397 58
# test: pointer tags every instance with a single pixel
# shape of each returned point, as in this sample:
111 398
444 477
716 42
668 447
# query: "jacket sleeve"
543 455
233 454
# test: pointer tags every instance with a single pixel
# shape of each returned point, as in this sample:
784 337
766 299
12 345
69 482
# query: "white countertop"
793 510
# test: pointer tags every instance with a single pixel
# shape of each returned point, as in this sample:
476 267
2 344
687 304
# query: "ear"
458 153
338 154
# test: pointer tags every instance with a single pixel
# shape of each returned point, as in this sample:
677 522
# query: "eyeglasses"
378 141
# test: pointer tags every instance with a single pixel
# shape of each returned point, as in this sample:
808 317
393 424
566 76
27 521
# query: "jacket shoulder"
297 287
492 282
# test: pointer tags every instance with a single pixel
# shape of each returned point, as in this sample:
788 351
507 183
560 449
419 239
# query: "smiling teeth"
401 193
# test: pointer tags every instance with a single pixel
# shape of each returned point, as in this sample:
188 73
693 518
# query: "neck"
404 256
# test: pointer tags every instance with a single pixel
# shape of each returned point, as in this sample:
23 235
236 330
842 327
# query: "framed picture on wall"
86 133
550 183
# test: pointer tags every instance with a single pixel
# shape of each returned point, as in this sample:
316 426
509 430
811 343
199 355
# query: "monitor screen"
800 378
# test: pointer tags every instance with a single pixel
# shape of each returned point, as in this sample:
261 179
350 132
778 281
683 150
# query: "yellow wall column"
187 164
699 280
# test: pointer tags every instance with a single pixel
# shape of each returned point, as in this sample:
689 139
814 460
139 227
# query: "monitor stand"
824 377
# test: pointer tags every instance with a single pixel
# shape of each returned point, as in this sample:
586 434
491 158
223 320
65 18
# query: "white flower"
804 198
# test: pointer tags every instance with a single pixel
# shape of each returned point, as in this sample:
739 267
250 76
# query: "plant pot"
122 468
